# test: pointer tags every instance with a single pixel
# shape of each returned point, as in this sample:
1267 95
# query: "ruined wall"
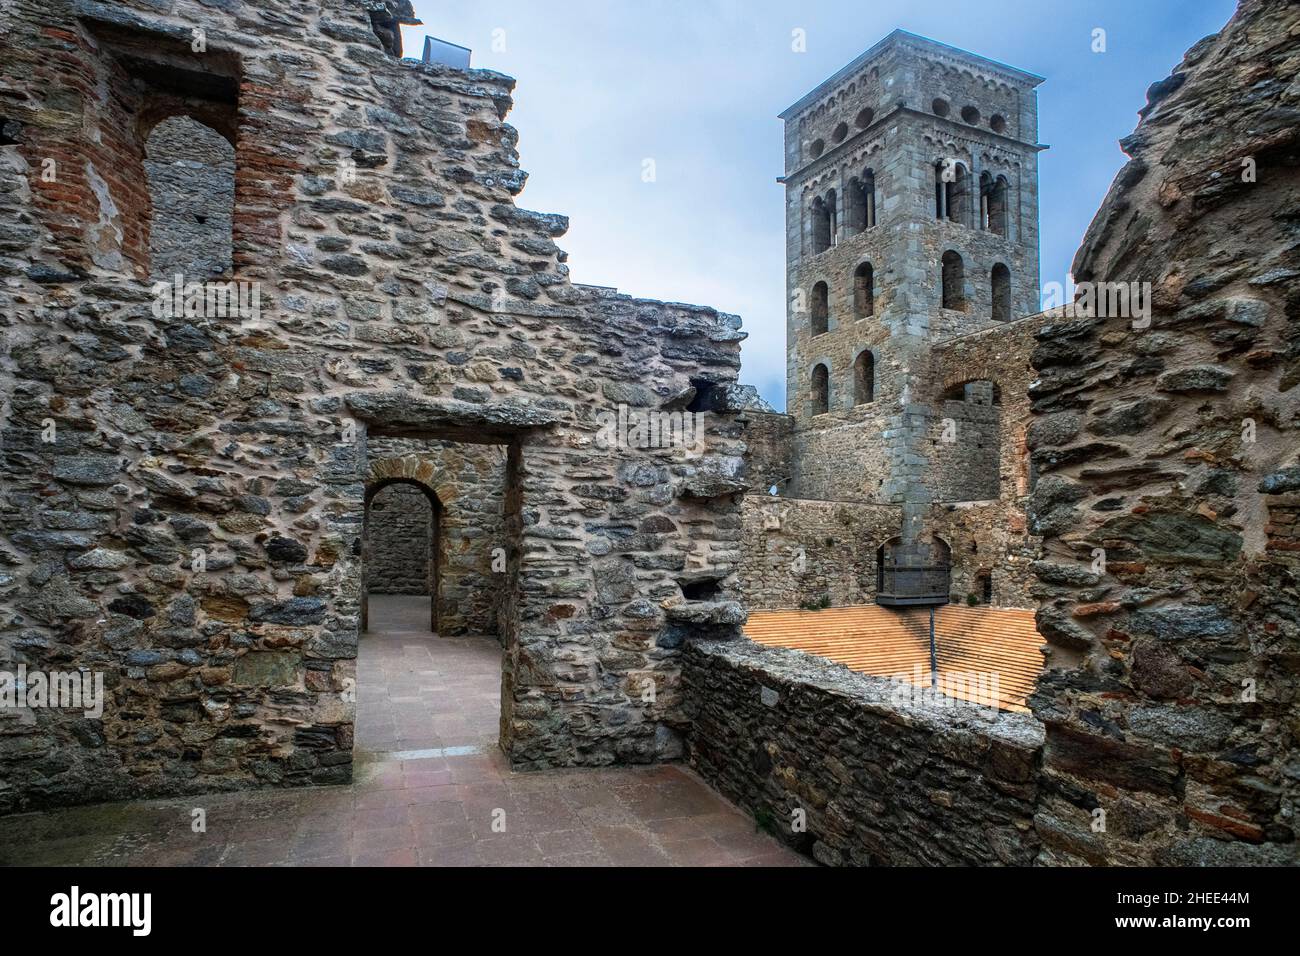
983 477
987 539
1170 450
880 781
189 527
799 552
768 451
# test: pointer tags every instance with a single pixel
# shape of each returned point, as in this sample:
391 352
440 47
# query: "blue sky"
605 84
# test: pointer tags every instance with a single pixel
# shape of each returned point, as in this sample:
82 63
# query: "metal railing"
900 584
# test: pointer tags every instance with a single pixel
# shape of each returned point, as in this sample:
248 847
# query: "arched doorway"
438 531
914 573
401 544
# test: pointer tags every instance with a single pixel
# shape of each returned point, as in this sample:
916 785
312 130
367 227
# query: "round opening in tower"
864 118
940 106
970 114
840 132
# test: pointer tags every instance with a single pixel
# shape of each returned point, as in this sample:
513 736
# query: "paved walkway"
431 789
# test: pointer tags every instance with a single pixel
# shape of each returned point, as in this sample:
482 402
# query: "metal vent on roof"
448 54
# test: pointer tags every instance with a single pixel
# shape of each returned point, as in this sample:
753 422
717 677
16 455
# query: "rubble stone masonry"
184 494
835 764
468 482
1169 451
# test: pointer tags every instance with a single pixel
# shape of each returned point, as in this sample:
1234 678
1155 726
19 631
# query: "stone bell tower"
911 181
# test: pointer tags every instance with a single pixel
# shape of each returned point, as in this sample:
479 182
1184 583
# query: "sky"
696 85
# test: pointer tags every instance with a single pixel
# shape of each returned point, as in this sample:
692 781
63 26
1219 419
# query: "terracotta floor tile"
428 776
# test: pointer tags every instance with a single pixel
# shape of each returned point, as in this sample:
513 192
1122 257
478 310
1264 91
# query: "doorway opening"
439 560
403 531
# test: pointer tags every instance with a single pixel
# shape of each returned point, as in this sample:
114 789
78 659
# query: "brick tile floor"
431 788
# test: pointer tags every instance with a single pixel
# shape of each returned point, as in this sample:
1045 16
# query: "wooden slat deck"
896 643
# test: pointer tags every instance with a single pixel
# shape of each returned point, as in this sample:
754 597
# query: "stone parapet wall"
879 781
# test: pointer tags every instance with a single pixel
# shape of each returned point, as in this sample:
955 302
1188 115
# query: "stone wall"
880 781
183 494
191 170
768 451
1168 449
401 542
987 539
845 456
989 458
965 451
799 552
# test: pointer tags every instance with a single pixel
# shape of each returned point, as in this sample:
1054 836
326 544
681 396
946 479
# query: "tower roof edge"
921 44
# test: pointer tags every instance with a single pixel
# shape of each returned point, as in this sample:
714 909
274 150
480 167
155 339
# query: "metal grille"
901 584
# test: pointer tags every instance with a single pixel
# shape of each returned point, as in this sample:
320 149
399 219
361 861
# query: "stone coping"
784 669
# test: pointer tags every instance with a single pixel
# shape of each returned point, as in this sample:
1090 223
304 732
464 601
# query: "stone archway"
434 484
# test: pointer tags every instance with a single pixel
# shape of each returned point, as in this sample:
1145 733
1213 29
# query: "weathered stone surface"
1199 378
1131 418
1159 672
196 524
1051 508
1173 538
1281 482
400 410
779 731
268 669
1170 717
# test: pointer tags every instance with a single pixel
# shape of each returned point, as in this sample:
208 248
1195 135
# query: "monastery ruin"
281 354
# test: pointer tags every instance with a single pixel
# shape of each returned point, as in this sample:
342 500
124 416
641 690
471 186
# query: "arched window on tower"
864 291
819 391
833 218
855 209
986 189
954 281
821 226
862 202
957 189
864 378
1000 281
993 204
821 309
869 191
